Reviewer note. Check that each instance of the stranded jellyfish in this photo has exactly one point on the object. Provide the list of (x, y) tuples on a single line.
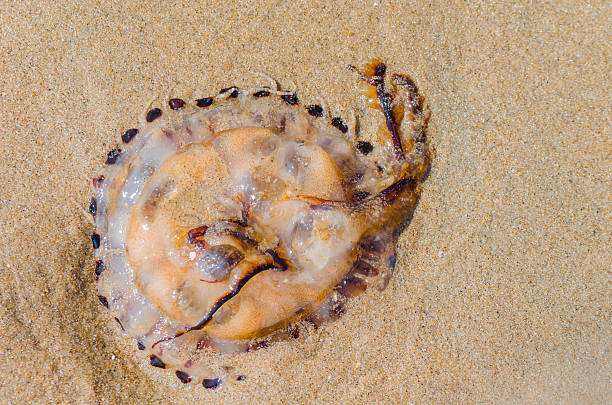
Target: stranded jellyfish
[(228, 222)]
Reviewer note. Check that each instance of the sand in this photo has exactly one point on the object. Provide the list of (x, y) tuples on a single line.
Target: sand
[(502, 288)]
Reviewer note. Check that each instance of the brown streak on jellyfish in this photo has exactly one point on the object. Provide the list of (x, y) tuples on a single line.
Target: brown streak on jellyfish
[(223, 225)]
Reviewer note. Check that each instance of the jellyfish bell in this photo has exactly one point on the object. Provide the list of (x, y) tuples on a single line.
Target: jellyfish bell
[(227, 222)]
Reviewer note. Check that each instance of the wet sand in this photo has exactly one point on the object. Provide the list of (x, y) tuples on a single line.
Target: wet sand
[(502, 286)]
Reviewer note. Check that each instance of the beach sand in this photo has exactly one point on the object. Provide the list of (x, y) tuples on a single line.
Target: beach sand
[(502, 287)]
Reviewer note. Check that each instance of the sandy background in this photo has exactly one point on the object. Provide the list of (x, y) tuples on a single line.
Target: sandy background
[(502, 291)]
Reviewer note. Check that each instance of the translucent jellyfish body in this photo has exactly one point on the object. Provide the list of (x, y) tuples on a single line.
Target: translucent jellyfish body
[(226, 223)]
